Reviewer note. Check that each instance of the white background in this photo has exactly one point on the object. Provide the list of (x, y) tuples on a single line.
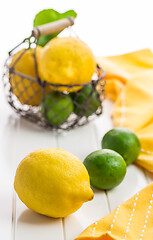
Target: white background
[(108, 26)]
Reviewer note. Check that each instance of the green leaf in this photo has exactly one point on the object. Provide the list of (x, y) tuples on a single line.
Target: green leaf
[(47, 16), (70, 13)]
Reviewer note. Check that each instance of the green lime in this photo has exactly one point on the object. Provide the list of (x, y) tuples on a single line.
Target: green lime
[(86, 101), (106, 168), (56, 108), (123, 141)]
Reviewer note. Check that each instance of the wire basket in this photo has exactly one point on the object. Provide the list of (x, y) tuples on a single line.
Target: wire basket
[(52, 106)]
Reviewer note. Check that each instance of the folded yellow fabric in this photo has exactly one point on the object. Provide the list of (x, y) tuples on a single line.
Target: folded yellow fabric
[(132, 220), (129, 82), (146, 157), (134, 106), (120, 69)]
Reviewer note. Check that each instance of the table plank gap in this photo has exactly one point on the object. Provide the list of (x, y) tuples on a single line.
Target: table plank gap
[(64, 233), (13, 215), (7, 206), (108, 202)]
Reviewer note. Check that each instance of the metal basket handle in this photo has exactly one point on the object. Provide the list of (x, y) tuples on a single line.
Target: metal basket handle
[(52, 27)]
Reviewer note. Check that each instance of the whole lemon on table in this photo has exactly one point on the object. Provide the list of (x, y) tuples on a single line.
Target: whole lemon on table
[(52, 182), (28, 92), (67, 61)]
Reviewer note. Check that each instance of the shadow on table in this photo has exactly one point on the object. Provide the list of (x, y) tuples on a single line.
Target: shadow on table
[(30, 217)]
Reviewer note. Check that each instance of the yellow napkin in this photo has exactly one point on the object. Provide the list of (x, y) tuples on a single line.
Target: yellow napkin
[(129, 82), (120, 69), (132, 220)]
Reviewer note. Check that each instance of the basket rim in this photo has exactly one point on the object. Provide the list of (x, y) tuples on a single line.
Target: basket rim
[(45, 83)]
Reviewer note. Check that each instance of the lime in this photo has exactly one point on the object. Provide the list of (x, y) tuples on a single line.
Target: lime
[(123, 141), (56, 108), (106, 168), (86, 101)]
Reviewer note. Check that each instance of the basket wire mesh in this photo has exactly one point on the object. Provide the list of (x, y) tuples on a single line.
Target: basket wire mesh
[(85, 107)]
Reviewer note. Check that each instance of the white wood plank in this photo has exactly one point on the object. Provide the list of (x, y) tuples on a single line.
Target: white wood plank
[(104, 122), (5, 200), (89, 213), (133, 182), (31, 225), (28, 224), (135, 178), (6, 175), (81, 142), (30, 137)]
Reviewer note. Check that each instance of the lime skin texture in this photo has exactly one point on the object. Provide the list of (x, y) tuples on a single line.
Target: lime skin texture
[(123, 141), (56, 108), (85, 101), (106, 169)]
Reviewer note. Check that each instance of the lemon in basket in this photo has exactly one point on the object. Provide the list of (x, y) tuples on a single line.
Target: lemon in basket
[(27, 91), (66, 61), (52, 182)]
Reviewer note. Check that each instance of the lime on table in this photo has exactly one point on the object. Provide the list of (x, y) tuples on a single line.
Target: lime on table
[(86, 101), (123, 141), (56, 108), (106, 168)]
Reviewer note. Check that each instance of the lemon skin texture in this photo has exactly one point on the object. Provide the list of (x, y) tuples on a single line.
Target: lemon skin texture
[(26, 91), (52, 182), (67, 61)]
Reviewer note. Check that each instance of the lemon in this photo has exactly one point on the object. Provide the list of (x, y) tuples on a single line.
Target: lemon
[(26, 91), (67, 61), (52, 182), (106, 168), (123, 141)]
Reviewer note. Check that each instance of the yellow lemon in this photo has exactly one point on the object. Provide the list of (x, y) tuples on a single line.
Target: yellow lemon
[(67, 61), (52, 182), (26, 91)]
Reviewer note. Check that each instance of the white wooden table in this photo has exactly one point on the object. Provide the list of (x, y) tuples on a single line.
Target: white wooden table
[(108, 29), (19, 137)]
